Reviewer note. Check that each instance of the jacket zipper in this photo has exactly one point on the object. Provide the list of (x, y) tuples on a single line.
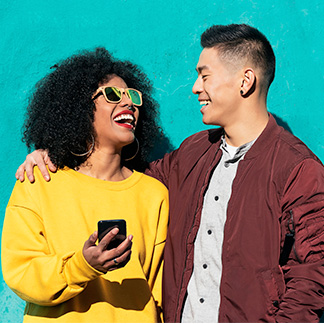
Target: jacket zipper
[(190, 233), (289, 243), (291, 227)]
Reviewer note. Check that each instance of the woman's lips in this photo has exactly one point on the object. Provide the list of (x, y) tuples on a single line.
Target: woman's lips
[(125, 119)]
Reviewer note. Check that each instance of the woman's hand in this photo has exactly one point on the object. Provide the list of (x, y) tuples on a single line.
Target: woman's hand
[(39, 158), (107, 260)]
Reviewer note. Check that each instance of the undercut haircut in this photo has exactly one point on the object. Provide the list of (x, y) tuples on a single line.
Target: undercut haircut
[(241, 42)]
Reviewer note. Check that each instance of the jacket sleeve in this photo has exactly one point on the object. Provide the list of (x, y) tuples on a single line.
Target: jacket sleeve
[(303, 199), (155, 275), (160, 169), (30, 268)]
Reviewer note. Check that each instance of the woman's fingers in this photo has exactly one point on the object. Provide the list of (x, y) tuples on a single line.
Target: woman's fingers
[(118, 261), (107, 238), (121, 255), (91, 241), (106, 260)]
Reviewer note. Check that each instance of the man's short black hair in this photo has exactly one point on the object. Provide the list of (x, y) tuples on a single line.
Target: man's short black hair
[(241, 41)]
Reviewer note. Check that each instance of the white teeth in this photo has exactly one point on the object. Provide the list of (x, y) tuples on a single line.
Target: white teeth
[(124, 116), (204, 102)]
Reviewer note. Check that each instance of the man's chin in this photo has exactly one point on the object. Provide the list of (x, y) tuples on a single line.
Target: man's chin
[(208, 121)]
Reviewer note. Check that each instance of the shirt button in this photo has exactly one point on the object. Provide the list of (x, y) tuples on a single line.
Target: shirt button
[(209, 232), (216, 198), (201, 300), (205, 266)]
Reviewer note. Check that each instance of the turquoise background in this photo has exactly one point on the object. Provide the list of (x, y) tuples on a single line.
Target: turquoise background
[(162, 36)]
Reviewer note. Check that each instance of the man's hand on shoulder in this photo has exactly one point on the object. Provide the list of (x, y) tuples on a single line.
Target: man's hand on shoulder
[(39, 158)]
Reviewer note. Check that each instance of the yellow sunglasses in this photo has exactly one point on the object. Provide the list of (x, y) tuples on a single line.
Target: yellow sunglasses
[(114, 94)]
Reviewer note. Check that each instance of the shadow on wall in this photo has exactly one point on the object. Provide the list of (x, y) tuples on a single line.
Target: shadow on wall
[(282, 123), (162, 146)]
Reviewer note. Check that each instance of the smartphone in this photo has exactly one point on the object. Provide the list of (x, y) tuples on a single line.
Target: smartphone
[(105, 226)]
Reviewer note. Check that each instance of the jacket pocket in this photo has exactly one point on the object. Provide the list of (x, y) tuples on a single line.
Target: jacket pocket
[(315, 238), (274, 288), (309, 237)]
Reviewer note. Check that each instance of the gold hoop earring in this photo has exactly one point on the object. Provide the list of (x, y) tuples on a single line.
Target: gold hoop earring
[(88, 152), (135, 152)]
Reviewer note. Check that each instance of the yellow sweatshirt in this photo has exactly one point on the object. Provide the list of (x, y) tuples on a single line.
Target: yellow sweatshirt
[(45, 227)]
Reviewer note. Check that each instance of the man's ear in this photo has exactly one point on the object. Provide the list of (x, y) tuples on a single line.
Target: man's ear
[(248, 82)]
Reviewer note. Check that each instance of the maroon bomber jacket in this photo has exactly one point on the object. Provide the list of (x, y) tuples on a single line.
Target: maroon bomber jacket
[(279, 181)]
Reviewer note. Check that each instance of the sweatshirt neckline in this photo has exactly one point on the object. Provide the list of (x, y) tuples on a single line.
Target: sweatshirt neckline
[(110, 185)]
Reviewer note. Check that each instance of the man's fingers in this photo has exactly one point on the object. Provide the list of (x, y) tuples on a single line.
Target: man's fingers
[(40, 157), (29, 167), (43, 170), (50, 164), (20, 173)]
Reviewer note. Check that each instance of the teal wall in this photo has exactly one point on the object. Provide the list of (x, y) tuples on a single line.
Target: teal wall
[(162, 36)]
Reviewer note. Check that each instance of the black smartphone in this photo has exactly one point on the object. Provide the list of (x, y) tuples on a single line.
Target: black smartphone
[(105, 226)]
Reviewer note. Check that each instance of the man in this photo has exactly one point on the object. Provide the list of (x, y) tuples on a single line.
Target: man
[(240, 195)]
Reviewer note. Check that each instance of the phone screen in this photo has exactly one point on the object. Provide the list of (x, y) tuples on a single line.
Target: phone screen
[(105, 226)]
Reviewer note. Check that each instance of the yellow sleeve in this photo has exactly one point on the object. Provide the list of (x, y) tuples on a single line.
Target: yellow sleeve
[(29, 268), (155, 276)]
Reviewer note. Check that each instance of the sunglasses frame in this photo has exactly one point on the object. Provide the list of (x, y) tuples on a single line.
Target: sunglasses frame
[(122, 91)]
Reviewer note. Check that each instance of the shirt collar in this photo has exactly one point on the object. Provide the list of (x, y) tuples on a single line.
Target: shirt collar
[(240, 151)]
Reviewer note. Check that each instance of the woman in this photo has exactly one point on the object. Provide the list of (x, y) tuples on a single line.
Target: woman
[(96, 118)]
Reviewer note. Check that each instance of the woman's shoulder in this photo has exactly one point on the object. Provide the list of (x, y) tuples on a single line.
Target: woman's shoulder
[(152, 183), (40, 183)]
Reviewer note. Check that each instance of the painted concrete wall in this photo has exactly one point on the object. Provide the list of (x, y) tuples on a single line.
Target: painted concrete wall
[(162, 36)]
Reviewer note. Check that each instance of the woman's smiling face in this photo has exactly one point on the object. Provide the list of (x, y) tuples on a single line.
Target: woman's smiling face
[(115, 123)]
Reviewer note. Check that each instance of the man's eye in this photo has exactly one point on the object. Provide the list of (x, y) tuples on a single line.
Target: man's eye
[(204, 76)]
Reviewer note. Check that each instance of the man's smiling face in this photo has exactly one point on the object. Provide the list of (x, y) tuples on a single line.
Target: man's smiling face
[(218, 88)]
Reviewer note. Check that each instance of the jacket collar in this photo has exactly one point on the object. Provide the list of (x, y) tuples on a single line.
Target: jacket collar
[(265, 139)]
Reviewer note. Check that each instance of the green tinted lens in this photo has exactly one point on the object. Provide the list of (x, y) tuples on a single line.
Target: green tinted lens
[(135, 97), (113, 94)]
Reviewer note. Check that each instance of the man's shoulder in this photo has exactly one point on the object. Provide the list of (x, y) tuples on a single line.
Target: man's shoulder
[(206, 137), (290, 156), (294, 148)]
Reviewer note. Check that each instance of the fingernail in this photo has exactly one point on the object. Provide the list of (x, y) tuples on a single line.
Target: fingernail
[(46, 177), (130, 237), (114, 230)]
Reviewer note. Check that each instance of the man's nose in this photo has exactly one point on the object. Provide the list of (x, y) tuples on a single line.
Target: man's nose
[(197, 87)]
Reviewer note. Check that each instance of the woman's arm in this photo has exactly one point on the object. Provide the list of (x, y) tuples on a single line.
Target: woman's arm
[(33, 269), (155, 276)]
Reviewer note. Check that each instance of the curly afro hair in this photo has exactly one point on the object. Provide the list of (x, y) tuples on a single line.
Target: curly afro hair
[(60, 112)]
